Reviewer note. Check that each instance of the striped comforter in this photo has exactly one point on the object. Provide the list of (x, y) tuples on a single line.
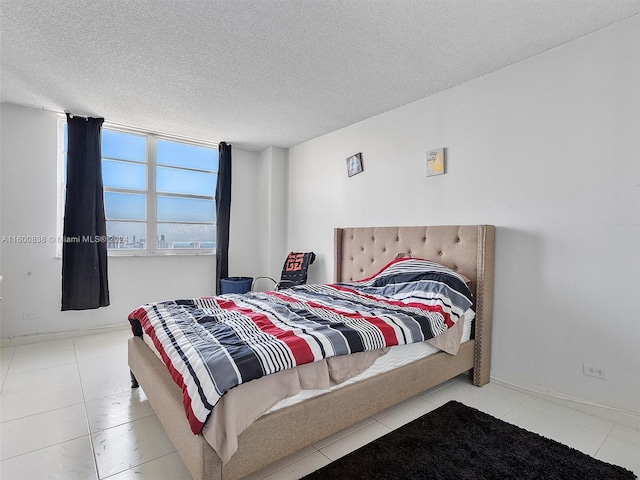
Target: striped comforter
[(213, 344)]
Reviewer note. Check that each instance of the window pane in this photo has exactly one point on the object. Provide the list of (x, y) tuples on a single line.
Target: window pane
[(126, 146), (177, 180), (179, 235), (177, 209), (126, 235), (116, 174), (177, 154), (125, 206)]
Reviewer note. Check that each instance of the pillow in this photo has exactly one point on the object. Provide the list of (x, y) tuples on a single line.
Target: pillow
[(409, 255), (408, 274), (414, 280)]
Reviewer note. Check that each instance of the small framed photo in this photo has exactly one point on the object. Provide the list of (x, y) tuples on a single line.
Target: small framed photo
[(435, 162), (354, 164)]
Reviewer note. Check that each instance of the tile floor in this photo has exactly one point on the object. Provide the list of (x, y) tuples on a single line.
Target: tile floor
[(68, 412)]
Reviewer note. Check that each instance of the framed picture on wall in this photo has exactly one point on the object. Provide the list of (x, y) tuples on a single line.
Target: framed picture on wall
[(354, 164), (435, 162)]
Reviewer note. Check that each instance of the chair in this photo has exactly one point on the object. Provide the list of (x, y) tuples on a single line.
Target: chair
[(294, 270)]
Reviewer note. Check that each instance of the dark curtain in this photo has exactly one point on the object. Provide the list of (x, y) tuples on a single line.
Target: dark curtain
[(84, 250), (223, 213)]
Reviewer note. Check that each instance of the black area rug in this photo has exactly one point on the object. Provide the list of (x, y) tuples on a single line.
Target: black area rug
[(457, 442)]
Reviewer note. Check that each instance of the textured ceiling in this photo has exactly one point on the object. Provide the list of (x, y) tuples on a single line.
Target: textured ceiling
[(269, 72)]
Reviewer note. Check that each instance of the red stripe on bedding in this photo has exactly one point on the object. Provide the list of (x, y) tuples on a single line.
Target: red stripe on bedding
[(398, 303), (392, 262), (299, 347), (385, 329), (142, 315)]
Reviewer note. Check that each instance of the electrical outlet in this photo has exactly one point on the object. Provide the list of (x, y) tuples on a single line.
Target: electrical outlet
[(594, 371), (29, 315)]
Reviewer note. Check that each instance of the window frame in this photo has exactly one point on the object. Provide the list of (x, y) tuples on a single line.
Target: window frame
[(151, 193)]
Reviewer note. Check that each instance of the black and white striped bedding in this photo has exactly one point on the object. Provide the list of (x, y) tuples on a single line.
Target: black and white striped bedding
[(213, 344)]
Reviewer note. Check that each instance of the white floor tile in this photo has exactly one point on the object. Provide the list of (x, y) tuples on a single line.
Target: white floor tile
[(126, 446), (42, 348), (44, 377), (110, 383), (301, 468), (493, 399), (282, 463), (104, 377), (5, 354), (111, 350), (40, 391), (619, 452), (42, 430), (115, 361), (396, 408), (565, 413), (407, 414), (626, 434), (26, 361), (343, 433), (5, 361), (118, 409), (44, 433), (576, 436), (355, 440), (99, 339), (42, 355), (168, 467), (72, 460)]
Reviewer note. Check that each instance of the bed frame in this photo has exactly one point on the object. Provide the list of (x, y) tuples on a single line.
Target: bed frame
[(359, 253)]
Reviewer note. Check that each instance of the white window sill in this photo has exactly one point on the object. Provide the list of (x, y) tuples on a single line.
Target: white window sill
[(140, 254)]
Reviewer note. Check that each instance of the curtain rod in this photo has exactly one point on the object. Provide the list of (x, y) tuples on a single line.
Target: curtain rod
[(122, 125), (175, 136), (141, 129)]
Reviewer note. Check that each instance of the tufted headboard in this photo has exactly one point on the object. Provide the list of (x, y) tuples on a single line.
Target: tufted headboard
[(468, 249)]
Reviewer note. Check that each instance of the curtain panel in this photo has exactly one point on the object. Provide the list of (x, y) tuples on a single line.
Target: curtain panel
[(223, 213), (84, 250)]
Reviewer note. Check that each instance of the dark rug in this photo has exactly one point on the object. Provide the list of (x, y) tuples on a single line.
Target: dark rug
[(457, 442)]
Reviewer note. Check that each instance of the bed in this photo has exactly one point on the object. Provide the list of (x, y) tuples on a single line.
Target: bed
[(358, 253)]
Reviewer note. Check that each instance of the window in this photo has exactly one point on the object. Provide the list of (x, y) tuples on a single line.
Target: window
[(155, 187)]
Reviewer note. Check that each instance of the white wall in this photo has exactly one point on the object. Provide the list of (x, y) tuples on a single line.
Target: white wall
[(548, 150), (32, 281), (244, 250), (272, 220)]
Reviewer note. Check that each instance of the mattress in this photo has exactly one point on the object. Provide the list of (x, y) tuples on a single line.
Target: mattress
[(395, 357)]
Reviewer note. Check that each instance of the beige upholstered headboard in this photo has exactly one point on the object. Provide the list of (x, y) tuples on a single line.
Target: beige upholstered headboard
[(468, 249)]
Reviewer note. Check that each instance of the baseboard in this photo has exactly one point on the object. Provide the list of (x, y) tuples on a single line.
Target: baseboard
[(47, 337), (621, 417)]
